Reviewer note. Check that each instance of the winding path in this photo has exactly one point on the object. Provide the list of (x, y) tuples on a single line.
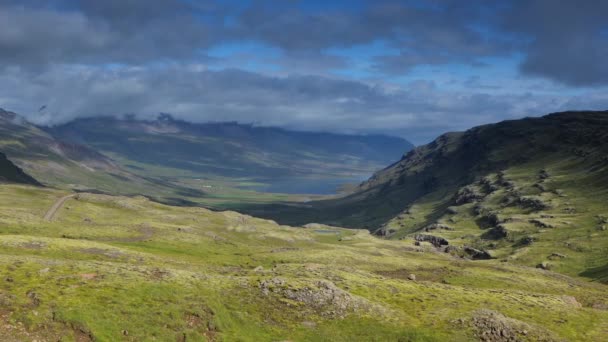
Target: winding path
[(51, 213)]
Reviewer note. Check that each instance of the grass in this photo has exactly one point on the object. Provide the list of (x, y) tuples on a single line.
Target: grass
[(125, 268)]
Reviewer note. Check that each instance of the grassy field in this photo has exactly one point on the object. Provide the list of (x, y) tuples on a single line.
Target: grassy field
[(128, 269)]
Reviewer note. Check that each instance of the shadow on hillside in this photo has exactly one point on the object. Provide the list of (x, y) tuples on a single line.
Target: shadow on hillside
[(597, 273)]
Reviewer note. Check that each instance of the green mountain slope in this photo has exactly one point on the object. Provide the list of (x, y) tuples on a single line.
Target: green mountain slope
[(127, 269), (59, 164), (529, 191), (183, 151)]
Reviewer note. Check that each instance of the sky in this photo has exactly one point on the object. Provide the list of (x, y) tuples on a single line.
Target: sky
[(412, 68)]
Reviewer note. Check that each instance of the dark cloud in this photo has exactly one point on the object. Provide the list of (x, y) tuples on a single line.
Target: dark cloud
[(37, 33), (87, 58), (567, 40), (419, 111)]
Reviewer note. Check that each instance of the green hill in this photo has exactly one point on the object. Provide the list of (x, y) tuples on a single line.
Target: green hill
[(529, 191)]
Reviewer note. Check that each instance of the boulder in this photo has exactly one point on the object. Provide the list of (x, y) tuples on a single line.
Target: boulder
[(477, 254), (437, 226), (556, 256), (434, 240), (468, 195), (540, 224), (533, 203), (544, 265)]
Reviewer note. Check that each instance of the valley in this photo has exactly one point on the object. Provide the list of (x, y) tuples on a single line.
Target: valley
[(495, 234)]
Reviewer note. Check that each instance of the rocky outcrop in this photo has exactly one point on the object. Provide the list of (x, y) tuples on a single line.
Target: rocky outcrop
[(434, 240), (534, 203), (477, 254), (495, 327), (540, 224), (322, 296), (437, 226), (468, 194)]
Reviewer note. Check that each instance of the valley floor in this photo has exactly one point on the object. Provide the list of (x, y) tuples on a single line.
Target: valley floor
[(106, 268)]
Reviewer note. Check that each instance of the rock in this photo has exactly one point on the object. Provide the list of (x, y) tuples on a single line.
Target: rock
[(544, 265), (501, 231), (451, 210), (488, 185), (527, 240), (411, 277), (477, 254), (602, 227), (572, 301), (271, 285), (258, 269), (434, 240), (452, 249), (555, 256), (540, 224), (468, 195), (543, 174), (540, 187), (493, 326), (533, 203), (322, 295), (435, 226), (385, 231)]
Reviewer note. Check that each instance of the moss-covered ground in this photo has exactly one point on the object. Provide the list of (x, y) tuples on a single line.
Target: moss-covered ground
[(128, 269)]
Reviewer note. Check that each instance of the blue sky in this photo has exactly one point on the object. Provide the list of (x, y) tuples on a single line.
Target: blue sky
[(411, 68)]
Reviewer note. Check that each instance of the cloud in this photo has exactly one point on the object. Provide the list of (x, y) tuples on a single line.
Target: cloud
[(35, 34), (87, 58), (419, 111), (567, 40)]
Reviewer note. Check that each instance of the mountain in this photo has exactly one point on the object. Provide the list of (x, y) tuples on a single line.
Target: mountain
[(175, 149), (530, 191), (68, 165), (10, 173)]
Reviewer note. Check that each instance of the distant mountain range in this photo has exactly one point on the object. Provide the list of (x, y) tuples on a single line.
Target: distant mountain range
[(176, 161), (231, 149)]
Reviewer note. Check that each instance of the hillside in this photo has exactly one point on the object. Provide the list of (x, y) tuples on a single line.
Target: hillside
[(520, 190), (126, 269), (10, 173), (57, 163), (73, 166), (261, 158)]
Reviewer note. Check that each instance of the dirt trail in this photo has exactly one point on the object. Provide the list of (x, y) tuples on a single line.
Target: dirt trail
[(51, 213)]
